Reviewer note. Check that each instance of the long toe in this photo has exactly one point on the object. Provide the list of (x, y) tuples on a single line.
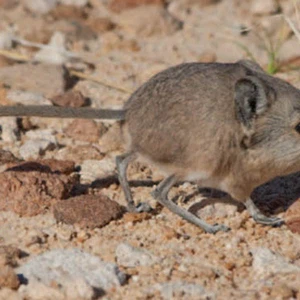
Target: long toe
[(271, 221), (218, 227), (143, 207)]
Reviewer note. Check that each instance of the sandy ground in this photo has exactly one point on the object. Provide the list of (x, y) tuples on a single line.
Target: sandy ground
[(108, 49)]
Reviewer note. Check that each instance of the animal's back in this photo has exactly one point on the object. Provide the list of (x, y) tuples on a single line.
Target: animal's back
[(181, 110)]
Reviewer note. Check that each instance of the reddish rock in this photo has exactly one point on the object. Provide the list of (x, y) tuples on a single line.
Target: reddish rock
[(69, 99), (7, 157), (136, 217), (32, 193), (9, 256), (8, 278), (119, 5), (4, 62), (87, 211), (3, 95), (112, 139), (292, 217), (85, 130), (146, 21), (69, 12), (80, 153), (8, 4), (45, 165), (100, 25), (49, 80)]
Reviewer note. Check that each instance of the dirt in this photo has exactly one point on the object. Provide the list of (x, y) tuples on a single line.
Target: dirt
[(98, 53)]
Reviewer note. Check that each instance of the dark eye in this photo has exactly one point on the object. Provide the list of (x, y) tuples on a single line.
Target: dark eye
[(297, 128)]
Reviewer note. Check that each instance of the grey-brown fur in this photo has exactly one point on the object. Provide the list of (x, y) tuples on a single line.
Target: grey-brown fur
[(225, 126)]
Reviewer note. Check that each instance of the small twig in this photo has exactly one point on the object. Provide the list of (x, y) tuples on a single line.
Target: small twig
[(95, 79), (293, 27), (296, 10), (14, 55), (43, 46), (87, 58)]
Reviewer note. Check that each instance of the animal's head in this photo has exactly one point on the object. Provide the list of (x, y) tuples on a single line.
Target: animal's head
[(268, 110)]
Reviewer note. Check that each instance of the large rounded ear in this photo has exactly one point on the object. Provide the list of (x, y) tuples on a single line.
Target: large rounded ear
[(252, 98), (251, 65)]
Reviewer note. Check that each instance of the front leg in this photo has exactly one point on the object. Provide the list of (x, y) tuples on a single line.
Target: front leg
[(259, 217)]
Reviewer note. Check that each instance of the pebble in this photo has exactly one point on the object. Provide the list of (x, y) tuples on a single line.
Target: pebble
[(40, 6), (266, 7), (5, 62), (208, 208), (182, 290), (266, 263), (112, 139), (79, 153), (8, 278), (181, 9), (8, 4), (100, 25), (120, 5), (85, 130), (145, 21), (79, 3), (130, 257), (66, 265), (10, 129), (36, 290), (70, 99), (6, 40), (55, 52), (47, 80), (9, 256), (27, 98), (292, 217), (87, 211), (32, 193), (92, 170), (33, 149), (72, 290), (42, 134), (8, 294)]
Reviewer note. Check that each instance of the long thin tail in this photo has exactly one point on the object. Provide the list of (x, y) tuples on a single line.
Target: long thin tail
[(48, 111)]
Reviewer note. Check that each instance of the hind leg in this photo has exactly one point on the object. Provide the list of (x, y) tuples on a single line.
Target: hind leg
[(161, 195), (259, 217), (122, 162)]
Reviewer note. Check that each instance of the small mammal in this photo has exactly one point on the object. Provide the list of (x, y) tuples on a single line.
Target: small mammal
[(228, 126)]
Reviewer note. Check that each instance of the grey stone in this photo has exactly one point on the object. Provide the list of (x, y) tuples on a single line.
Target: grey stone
[(94, 169), (36, 290), (34, 148), (265, 7), (40, 6), (6, 40), (27, 98), (79, 3), (183, 290), (65, 265), (147, 21), (42, 134), (266, 263), (208, 208), (9, 128), (129, 256), (55, 52), (72, 290)]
